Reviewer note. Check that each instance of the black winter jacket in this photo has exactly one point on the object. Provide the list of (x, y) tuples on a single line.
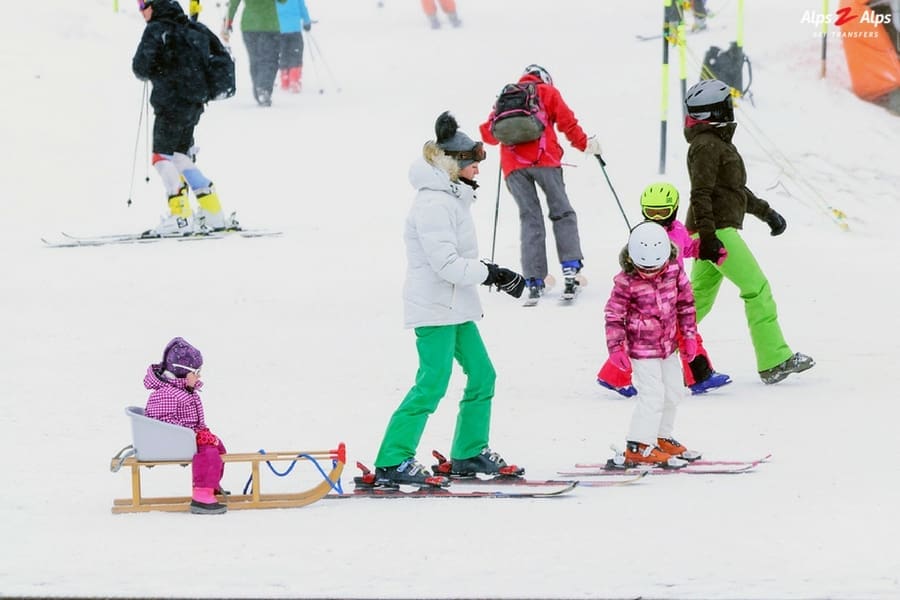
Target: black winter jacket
[(719, 194), (164, 58)]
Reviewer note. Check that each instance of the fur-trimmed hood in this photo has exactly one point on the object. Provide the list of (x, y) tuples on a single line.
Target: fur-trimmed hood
[(435, 170)]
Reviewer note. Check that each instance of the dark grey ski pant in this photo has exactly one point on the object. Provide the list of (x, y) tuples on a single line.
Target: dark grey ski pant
[(522, 185), (262, 50)]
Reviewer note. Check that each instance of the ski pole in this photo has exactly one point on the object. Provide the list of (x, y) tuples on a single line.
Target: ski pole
[(496, 213), (825, 38), (315, 45), (315, 64), (147, 137), (137, 141), (615, 195)]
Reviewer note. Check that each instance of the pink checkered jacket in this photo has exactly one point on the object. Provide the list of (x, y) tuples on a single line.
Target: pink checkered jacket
[(171, 401)]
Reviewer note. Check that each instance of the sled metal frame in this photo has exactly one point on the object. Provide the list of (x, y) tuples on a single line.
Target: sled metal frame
[(254, 500)]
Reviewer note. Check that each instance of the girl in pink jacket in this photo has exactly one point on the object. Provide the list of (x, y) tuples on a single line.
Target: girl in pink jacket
[(659, 203), (175, 399), (650, 306)]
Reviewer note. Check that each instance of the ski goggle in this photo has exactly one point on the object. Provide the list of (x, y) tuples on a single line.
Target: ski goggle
[(477, 153), (658, 213), (188, 369)]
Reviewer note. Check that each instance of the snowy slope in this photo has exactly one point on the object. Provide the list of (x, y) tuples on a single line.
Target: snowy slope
[(302, 334)]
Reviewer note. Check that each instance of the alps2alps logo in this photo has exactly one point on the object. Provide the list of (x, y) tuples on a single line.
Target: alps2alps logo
[(844, 15)]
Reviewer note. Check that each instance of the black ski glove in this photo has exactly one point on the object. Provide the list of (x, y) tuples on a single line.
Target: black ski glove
[(307, 25), (711, 248), (775, 222), (509, 281)]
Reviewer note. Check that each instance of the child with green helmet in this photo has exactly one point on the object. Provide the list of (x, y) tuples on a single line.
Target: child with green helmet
[(659, 203)]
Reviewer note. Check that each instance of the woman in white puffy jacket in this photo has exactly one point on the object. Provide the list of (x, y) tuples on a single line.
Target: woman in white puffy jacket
[(440, 301)]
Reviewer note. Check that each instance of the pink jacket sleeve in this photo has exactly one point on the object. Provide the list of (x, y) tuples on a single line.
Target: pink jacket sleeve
[(615, 312), (685, 308), (679, 235)]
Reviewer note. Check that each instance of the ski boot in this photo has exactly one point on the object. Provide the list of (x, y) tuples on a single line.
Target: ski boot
[(672, 447), (536, 289), (409, 472), (445, 466), (210, 217), (795, 364), (294, 76), (486, 462), (571, 282), (715, 380), (179, 221), (638, 454), (627, 391)]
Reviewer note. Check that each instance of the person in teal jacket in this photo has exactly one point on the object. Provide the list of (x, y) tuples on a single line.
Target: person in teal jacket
[(262, 36), (293, 18)]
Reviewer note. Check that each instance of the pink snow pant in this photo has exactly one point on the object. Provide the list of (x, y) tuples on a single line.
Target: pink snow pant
[(207, 467)]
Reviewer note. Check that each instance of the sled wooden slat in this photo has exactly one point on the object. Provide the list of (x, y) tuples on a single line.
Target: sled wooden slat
[(254, 500)]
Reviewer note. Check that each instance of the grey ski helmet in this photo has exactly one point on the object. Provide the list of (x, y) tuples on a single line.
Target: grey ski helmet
[(540, 71), (710, 100), (649, 247)]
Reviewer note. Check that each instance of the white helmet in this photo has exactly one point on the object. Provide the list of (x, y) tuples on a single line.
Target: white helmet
[(710, 100), (540, 71), (648, 246)]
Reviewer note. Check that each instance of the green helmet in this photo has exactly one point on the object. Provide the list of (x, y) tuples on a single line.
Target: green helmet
[(659, 202)]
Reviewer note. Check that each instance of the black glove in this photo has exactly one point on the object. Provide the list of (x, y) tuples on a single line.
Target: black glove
[(509, 281), (711, 248), (776, 222), (307, 26)]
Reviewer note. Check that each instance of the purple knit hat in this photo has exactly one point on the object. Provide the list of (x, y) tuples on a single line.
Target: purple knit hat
[(180, 358)]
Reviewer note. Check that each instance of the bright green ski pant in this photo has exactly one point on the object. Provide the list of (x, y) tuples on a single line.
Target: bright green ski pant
[(743, 271), (437, 347)]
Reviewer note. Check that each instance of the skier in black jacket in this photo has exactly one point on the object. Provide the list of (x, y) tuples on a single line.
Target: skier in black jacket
[(169, 55)]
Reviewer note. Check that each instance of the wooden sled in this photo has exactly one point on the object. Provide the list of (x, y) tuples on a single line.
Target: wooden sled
[(148, 451)]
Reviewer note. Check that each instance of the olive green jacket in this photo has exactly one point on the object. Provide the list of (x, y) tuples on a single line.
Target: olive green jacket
[(719, 194), (259, 15)]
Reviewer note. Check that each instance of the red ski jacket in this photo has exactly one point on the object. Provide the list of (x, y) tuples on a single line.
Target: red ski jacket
[(545, 152)]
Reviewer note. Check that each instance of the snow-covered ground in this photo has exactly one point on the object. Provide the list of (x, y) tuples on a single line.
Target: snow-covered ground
[(302, 334)]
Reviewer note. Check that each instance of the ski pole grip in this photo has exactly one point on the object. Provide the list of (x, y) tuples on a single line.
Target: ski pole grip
[(600, 160)]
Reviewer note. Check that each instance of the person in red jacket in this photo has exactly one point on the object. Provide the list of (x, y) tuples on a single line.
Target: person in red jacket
[(538, 163)]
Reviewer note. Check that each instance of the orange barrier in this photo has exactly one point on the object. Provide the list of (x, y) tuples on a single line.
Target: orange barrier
[(871, 57)]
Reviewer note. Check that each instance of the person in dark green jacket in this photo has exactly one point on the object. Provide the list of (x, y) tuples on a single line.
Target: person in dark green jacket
[(719, 200), (262, 36)]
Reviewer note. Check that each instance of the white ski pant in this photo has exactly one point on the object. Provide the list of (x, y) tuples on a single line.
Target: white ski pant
[(660, 386)]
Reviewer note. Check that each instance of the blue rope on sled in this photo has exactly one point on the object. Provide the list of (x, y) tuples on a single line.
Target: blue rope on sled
[(336, 486)]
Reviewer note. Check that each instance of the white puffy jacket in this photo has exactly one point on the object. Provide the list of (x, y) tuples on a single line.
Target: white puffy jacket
[(443, 268)]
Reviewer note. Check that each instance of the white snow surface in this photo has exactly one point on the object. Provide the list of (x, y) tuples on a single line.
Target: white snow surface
[(302, 334)]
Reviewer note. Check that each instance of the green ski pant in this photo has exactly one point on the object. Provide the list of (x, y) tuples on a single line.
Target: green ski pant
[(437, 347), (743, 271)]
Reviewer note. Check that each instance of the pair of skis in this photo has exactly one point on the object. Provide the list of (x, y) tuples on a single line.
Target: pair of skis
[(697, 467), (567, 297), (443, 486), (75, 241)]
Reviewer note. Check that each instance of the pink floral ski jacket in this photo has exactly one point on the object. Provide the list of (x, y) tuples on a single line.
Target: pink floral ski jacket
[(644, 315)]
